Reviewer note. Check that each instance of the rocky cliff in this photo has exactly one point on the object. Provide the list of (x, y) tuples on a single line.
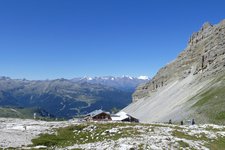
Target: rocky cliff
[(204, 54), (193, 71)]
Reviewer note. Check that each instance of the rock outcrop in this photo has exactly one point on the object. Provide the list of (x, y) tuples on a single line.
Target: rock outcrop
[(205, 54), (203, 60)]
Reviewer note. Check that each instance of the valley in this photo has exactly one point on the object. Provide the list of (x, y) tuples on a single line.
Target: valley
[(63, 98)]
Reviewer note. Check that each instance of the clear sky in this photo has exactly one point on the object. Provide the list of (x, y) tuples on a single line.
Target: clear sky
[(47, 39)]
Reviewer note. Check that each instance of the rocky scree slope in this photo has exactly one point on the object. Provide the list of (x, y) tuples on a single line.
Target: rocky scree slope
[(191, 86)]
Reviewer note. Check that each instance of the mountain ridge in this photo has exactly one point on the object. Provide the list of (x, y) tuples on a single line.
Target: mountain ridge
[(126, 83), (169, 94)]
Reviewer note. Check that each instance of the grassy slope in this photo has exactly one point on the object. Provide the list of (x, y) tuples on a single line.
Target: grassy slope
[(16, 112), (76, 135), (210, 105)]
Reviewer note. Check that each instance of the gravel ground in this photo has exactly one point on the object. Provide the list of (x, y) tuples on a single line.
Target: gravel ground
[(19, 132), (159, 137)]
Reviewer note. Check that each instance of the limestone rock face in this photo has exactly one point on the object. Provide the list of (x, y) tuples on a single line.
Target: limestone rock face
[(191, 86), (205, 55)]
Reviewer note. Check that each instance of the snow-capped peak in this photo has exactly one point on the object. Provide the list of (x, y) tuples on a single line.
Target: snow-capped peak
[(89, 78), (143, 77), (112, 78), (125, 76), (86, 78)]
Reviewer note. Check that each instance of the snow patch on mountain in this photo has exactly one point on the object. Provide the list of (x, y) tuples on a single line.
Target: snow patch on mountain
[(143, 78), (124, 82)]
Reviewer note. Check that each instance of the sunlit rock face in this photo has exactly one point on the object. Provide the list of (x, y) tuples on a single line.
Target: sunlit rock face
[(201, 61)]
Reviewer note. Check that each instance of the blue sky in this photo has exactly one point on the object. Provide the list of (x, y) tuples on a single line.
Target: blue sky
[(48, 39)]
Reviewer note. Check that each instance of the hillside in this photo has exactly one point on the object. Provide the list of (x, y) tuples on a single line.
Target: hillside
[(22, 112), (191, 86)]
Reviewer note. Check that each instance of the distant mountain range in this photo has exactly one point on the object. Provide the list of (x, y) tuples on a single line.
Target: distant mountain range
[(125, 83), (67, 98)]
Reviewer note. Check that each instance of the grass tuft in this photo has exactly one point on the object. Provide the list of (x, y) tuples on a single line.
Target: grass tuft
[(77, 134)]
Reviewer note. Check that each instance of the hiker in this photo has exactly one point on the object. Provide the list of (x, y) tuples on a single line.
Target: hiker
[(193, 122), (170, 121), (25, 127), (182, 123)]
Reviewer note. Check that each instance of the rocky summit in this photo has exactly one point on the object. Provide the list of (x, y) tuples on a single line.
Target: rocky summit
[(191, 86)]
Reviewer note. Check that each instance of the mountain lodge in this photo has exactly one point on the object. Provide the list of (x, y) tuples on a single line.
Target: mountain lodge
[(98, 115)]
